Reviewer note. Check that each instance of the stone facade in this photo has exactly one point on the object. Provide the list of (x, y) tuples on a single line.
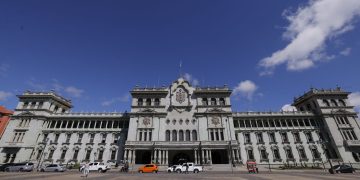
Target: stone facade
[(168, 125)]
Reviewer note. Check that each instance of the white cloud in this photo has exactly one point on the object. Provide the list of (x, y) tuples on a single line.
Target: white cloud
[(309, 29), (193, 81), (124, 98), (288, 107), (354, 99), (346, 52), (5, 95), (73, 91), (245, 88)]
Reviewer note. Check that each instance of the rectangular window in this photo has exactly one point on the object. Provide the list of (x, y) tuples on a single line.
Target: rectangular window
[(145, 136), (277, 123), (113, 154), (315, 153), (247, 123), (236, 123), (69, 124), (80, 138), (250, 154), (289, 154), (247, 138), (97, 124), (276, 154), (309, 137), (260, 123), (109, 124), (353, 134), (92, 136), (242, 124), (75, 124), (284, 137), (81, 124), (92, 124), (302, 154), (272, 124), (222, 135), (295, 122), (150, 136), (101, 152), (51, 154), (212, 135), (263, 154), (76, 152), (116, 137), (63, 154), (68, 136), (63, 125), (103, 140), (56, 138), (260, 138), (87, 157), (87, 123), (116, 124), (45, 137), (217, 135), (103, 124), (266, 123), (272, 138), (140, 136), (283, 123), (297, 137)]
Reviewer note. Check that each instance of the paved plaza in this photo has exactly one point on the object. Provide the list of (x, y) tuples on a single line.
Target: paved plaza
[(298, 175)]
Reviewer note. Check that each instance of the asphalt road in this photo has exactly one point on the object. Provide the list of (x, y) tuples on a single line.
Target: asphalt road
[(299, 175)]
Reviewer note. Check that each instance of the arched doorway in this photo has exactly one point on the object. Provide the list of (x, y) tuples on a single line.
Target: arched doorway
[(143, 157)]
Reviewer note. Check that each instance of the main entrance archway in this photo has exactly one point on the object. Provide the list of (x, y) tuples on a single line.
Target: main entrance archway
[(179, 157)]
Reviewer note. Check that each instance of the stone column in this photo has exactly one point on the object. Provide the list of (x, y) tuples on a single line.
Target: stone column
[(156, 155), (209, 155), (195, 153), (166, 156), (130, 156), (203, 156), (134, 156)]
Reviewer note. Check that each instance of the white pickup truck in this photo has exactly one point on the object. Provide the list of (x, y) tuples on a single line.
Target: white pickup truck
[(101, 167), (192, 168)]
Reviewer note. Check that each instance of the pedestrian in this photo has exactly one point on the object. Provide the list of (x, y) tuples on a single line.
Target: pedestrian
[(187, 168), (86, 169)]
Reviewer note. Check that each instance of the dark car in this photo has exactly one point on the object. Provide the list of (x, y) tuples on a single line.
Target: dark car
[(4, 166), (341, 169)]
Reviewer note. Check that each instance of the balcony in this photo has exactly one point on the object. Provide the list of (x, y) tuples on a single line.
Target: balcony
[(352, 143)]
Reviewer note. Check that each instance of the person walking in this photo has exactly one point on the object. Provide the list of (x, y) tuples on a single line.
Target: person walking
[(86, 169), (187, 168)]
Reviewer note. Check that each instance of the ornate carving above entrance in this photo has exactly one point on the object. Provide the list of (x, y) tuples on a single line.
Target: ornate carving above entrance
[(146, 121), (180, 96)]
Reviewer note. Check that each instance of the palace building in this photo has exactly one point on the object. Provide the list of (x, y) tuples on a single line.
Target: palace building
[(167, 125)]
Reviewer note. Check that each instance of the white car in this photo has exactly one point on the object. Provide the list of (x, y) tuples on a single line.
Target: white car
[(101, 167), (192, 168), (172, 168)]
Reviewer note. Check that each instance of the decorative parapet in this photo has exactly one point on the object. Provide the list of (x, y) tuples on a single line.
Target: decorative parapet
[(89, 114), (314, 91), (48, 93), (281, 113)]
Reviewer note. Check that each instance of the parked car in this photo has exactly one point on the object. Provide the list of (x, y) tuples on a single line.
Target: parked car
[(2, 167), (341, 169), (26, 166), (100, 167), (172, 168), (53, 168), (148, 168), (191, 168)]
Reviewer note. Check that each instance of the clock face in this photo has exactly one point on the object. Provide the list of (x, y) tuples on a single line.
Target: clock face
[(180, 96)]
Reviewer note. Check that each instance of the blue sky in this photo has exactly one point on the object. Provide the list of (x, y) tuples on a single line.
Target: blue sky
[(95, 52)]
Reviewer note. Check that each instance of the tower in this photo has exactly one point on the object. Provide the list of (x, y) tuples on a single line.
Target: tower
[(340, 131)]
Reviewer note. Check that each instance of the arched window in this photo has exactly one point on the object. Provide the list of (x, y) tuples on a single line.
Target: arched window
[(167, 135), (194, 135), (157, 102), (326, 103), (174, 135), (213, 101), (222, 101), (140, 102), (148, 102), (187, 135), (181, 135), (204, 101), (342, 102), (334, 103)]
